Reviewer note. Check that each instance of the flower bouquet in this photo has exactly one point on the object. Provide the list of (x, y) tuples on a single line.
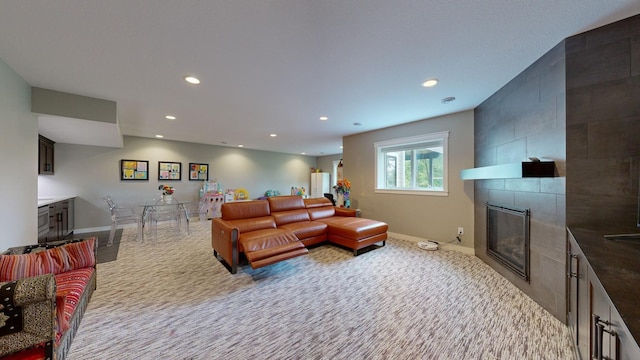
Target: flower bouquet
[(166, 189), (343, 190)]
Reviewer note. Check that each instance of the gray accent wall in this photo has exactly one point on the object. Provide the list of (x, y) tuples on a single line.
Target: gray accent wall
[(425, 217), (526, 118), (603, 127), (91, 172), (578, 105), (19, 161)]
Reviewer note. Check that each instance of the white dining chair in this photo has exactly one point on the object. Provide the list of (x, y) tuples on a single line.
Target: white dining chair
[(165, 211), (122, 215), (193, 210)]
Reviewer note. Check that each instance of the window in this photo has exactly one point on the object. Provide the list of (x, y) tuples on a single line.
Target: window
[(413, 165)]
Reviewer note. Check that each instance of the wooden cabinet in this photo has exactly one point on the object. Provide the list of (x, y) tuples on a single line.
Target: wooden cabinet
[(45, 156), (597, 328), (319, 184), (577, 297), (61, 220)]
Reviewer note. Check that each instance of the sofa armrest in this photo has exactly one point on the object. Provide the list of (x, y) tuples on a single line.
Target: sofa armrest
[(345, 212), (224, 240), (27, 313)]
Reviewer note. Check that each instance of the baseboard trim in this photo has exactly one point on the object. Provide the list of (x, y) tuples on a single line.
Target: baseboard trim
[(453, 247), (101, 228)]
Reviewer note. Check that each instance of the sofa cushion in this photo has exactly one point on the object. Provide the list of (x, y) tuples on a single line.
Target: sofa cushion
[(253, 224), (244, 209), (322, 212), (61, 320), (71, 285), (290, 216), (317, 202), (308, 229), (284, 203), (356, 228)]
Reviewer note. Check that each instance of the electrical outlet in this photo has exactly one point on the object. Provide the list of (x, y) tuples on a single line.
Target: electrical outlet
[(460, 231)]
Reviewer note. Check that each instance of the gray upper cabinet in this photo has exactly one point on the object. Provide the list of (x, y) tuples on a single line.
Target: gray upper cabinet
[(45, 156)]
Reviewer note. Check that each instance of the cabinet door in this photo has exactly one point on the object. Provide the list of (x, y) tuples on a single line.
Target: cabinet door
[(601, 307), (71, 217), (627, 348), (64, 218), (45, 156), (319, 184), (54, 224), (578, 314)]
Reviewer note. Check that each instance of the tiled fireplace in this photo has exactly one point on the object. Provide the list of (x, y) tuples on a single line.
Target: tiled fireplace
[(508, 238)]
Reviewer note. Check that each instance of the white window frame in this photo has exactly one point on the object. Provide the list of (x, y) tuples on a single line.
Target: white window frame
[(334, 174), (380, 168)]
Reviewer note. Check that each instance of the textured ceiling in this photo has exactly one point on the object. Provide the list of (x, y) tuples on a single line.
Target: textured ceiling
[(277, 66)]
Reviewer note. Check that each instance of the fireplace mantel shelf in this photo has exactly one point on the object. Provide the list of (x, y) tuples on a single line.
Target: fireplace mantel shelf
[(529, 169)]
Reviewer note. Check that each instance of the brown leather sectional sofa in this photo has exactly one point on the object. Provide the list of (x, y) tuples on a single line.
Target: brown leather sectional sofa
[(281, 227)]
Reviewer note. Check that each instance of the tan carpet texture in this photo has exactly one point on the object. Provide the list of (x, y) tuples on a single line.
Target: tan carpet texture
[(170, 299)]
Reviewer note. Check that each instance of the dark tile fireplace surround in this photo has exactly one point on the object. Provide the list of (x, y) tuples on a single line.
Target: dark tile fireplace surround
[(508, 238), (578, 106)]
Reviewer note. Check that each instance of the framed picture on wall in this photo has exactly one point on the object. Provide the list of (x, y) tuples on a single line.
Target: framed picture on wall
[(198, 171), (168, 170), (134, 170)]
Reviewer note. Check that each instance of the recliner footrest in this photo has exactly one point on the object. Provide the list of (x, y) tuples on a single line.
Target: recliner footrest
[(266, 250), (277, 258)]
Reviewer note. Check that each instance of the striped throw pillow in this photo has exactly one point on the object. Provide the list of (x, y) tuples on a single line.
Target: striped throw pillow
[(75, 255), (16, 267)]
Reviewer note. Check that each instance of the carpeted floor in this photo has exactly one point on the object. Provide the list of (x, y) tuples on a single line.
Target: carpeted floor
[(170, 299)]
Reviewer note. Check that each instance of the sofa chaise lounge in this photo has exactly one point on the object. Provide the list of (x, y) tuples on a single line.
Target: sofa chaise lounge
[(282, 227)]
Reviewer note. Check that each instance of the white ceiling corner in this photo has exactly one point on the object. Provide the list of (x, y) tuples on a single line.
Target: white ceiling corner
[(277, 66)]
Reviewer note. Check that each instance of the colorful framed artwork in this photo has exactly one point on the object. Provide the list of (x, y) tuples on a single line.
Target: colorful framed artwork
[(134, 170), (198, 171), (168, 170)]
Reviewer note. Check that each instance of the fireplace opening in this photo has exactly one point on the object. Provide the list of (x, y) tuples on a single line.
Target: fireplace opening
[(508, 238)]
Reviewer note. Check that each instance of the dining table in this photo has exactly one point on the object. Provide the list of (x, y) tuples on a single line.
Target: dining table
[(149, 206)]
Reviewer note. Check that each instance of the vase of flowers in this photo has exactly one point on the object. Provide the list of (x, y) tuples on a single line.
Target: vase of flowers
[(167, 192), (343, 192)]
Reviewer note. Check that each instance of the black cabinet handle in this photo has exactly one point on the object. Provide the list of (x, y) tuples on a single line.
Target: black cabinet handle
[(571, 274), (598, 330)]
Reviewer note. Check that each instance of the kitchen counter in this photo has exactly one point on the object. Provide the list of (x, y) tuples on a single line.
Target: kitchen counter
[(616, 263), (47, 200)]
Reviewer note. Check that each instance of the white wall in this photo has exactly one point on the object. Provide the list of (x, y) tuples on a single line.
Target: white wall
[(426, 217), (19, 159), (91, 172)]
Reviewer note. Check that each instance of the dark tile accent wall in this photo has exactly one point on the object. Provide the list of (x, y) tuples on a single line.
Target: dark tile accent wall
[(527, 118), (579, 105), (603, 127)]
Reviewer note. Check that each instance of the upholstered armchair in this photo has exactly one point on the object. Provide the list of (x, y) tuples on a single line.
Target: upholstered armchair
[(44, 292)]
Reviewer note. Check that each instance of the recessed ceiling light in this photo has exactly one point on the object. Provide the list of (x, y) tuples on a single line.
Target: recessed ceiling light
[(357, 124), (304, 153), (170, 117), (324, 118), (223, 142), (273, 135), (240, 145), (448, 100), (159, 136), (430, 83), (192, 80), (341, 147)]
